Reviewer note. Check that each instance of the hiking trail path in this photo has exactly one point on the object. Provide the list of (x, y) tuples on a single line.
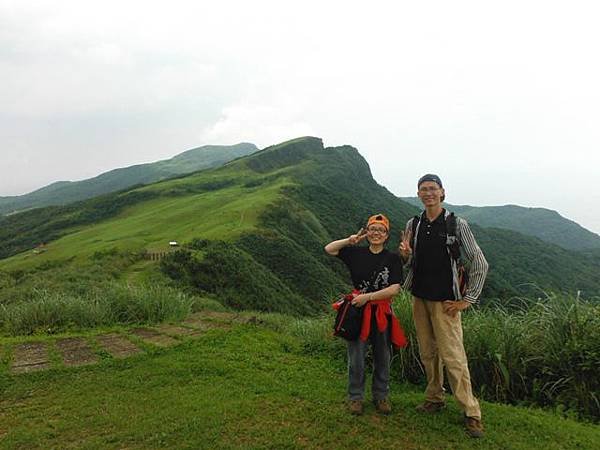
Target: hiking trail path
[(73, 351)]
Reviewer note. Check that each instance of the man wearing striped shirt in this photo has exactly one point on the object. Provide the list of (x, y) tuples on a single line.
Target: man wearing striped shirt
[(433, 279)]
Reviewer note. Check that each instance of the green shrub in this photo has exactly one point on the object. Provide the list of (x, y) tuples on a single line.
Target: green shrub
[(296, 267), (231, 275)]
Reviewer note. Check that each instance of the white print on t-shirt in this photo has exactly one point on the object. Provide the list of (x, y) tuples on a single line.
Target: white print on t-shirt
[(381, 281)]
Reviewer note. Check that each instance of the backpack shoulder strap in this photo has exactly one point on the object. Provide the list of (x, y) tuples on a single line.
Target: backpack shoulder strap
[(415, 224), (451, 239), (451, 224)]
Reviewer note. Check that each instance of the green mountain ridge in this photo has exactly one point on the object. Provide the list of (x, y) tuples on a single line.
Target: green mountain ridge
[(251, 236), (260, 223), (545, 224), (64, 192)]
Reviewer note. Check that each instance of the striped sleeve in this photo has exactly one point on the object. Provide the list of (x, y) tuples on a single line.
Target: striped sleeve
[(479, 265)]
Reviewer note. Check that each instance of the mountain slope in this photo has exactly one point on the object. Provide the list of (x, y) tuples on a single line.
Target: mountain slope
[(342, 192), (254, 231), (545, 224), (64, 192)]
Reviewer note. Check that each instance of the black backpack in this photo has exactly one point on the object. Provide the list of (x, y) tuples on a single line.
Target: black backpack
[(453, 245), (348, 321)]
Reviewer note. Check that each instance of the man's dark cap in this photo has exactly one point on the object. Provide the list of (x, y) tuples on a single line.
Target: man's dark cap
[(430, 177)]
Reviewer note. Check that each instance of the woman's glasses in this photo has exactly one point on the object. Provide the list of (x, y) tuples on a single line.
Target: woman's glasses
[(376, 230)]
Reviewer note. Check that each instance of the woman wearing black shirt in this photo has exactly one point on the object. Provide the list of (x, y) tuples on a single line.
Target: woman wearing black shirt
[(376, 276)]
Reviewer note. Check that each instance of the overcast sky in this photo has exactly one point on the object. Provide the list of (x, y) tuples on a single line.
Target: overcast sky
[(501, 99)]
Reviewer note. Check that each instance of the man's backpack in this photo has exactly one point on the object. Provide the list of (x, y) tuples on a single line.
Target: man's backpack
[(453, 245)]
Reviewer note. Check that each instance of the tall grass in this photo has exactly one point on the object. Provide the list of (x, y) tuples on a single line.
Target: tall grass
[(545, 352), (52, 311)]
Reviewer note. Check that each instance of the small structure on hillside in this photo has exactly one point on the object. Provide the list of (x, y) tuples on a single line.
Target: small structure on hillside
[(40, 249), (173, 244)]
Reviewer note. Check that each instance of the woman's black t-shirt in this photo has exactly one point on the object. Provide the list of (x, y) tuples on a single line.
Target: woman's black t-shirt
[(363, 264)]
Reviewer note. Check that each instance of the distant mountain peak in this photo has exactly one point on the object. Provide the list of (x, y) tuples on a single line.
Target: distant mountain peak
[(285, 154), (64, 192)]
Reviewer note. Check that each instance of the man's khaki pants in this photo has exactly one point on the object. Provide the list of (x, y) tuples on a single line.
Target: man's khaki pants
[(440, 339)]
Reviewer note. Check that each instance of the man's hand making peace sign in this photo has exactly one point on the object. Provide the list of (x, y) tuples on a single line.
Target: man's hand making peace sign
[(405, 248)]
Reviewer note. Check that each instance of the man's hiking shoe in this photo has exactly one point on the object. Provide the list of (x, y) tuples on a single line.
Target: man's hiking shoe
[(473, 427), (430, 407), (383, 406), (356, 407)]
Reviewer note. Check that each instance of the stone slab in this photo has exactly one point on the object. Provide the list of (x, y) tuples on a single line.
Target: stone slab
[(30, 357), (76, 352), (197, 322), (118, 346), (179, 331), (154, 337)]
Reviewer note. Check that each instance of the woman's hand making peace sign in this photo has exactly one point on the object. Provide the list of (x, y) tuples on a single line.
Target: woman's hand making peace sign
[(360, 235)]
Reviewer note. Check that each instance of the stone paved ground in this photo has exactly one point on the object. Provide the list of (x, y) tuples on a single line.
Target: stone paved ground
[(150, 336), (116, 345), (78, 351), (30, 357), (175, 330)]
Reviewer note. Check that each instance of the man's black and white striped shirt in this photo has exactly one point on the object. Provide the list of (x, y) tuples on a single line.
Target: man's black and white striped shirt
[(478, 267)]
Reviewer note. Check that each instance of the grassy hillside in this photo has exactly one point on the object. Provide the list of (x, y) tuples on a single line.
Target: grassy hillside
[(252, 235), (151, 224), (218, 203), (274, 210), (545, 224), (338, 190), (64, 192), (246, 387)]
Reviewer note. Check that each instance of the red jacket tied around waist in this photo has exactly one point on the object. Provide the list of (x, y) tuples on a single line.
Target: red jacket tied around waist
[(382, 312)]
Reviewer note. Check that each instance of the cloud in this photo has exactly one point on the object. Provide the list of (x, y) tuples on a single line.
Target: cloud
[(89, 86), (262, 125)]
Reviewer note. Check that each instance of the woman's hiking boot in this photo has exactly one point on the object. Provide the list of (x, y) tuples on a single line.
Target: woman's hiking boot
[(474, 427), (355, 407), (430, 407), (383, 406)]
